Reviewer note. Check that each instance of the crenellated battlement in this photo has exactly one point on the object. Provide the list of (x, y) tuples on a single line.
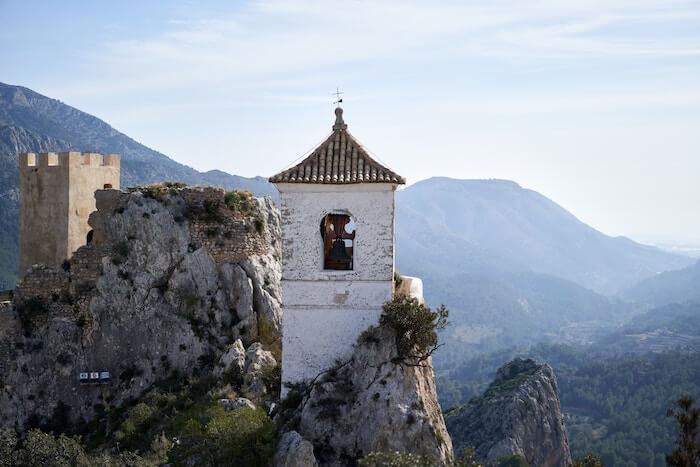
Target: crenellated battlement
[(31, 160), (56, 197)]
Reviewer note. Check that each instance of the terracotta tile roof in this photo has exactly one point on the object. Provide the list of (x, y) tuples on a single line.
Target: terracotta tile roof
[(340, 159)]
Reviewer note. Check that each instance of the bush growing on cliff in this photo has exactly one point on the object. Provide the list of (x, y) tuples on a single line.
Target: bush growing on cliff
[(158, 191), (394, 459), (215, 437), (415, 325), (239, 201)]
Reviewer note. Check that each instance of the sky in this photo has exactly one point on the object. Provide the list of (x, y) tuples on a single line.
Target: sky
[(595, 104)]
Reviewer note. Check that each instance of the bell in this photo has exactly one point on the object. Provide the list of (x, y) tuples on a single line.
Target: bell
[(338, 253)]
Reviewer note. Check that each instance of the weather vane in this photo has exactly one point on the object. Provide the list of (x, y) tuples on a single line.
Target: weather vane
[(337, 94)]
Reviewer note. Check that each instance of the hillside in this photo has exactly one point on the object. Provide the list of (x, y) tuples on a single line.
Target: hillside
[(678, 286), (446, 226), (514, 267), (32, 122), (670, 327)]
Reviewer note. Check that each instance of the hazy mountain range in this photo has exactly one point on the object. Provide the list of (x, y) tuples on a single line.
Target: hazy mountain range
[(668, 287), (514, 267), (32, 122)]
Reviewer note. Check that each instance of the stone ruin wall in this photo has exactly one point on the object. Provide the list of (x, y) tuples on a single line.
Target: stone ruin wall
[(231, 237)]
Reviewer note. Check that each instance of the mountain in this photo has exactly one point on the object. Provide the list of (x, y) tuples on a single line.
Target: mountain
[(678, 286), (513, 267), (447, 225), (518, 415), (32, 122), (670, 327)]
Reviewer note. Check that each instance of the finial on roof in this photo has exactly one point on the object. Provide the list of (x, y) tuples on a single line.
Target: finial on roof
[(339, 122)]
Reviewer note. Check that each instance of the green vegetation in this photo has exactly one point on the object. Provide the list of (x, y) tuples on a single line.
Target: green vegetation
[(40, 449), (589, 460), (244, 437), (398, 280), (239, 201), (158, 191), (687, 449), (183, 425), (394, 459), (416, 326), (512, 461), (270, 338), (615, 405)]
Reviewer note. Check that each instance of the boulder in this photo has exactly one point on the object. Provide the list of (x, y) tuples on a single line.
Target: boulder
[(230, 405), (258, 361), (233, 359), (294, 451)]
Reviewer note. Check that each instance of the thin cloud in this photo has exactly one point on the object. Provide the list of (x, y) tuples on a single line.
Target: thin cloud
[(271, 38)]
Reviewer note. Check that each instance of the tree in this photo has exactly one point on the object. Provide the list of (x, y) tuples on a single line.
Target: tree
[(589, 460), (687, 450), (243, 437), (416, 326)]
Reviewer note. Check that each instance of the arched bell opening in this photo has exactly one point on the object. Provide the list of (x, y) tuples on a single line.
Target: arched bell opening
[(338, 234)]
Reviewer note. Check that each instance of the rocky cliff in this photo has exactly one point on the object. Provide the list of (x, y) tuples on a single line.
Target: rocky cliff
[(519, 414), (175, 282), (174, 305), (373, 402)]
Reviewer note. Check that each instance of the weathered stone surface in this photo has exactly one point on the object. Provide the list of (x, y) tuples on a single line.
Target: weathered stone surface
[(230, 405), (147, 301), (373, 402), (257, 362), (294, 451), (519, 414), (232, 360)]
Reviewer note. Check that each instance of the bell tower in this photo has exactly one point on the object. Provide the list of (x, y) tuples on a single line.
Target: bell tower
[(337, 210)]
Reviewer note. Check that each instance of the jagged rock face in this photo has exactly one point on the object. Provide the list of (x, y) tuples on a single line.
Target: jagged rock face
[(519, 414), (152, 297), (374, 402), (294, 451)]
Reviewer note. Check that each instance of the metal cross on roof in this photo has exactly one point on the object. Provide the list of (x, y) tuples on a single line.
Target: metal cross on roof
[(337, 94)]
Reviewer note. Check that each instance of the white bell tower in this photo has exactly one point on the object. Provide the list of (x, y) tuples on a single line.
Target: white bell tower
[(337, 210)]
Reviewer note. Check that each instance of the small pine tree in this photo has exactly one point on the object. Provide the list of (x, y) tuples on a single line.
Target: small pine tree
[(686, 453), (589, 460)]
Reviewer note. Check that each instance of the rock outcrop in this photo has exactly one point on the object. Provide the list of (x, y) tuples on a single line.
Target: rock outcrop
[(175, 283), (374, 402), (294, 451), (519, 414)]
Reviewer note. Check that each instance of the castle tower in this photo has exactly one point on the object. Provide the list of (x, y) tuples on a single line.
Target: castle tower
[(337, 210), (57, 194)]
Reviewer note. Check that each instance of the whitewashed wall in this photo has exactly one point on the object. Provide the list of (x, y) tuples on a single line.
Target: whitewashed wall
[(325, 311)]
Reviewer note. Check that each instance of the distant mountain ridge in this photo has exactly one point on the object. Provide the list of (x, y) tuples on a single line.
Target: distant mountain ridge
[(452, 225), (30, 121), (678, 286), (513, 267)]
